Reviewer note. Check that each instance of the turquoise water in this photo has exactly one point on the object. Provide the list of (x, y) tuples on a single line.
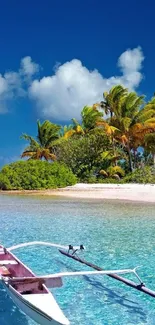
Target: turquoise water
[(116, 235)]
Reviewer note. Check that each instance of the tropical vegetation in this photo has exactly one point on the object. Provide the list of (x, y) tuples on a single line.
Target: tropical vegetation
[(113, 142), (35, 174), (42, 146)]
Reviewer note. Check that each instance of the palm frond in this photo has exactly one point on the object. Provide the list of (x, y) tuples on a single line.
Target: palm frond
[(150, 121), (69, 134), (27, 154), (32, 141), (115, 170), (103, 173), (149, 142), (125, 122), (75, 122), (144, 115)]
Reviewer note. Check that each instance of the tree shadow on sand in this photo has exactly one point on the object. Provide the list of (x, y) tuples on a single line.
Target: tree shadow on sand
[(9, 313)]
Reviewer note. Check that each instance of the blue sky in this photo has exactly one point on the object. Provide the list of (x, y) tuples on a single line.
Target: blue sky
[(57, 56)]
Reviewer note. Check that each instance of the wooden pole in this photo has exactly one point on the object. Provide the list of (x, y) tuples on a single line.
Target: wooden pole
[(141, 287)]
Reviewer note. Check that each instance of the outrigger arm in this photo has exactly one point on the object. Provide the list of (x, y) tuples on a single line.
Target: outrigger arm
[(44, 278), (74, 249), (70, 251), (32, 243)]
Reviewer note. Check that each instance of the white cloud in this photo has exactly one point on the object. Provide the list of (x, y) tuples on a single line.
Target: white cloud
[(130, 62), (3, 85), (62, 95), (28, 67), (12, 84)]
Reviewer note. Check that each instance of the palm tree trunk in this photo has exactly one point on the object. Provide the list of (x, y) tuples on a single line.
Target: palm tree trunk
[(153, 159), (134, 152), (130, 159), (114, 149)]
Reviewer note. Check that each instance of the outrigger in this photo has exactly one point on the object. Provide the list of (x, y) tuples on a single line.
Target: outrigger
[(30, 292)]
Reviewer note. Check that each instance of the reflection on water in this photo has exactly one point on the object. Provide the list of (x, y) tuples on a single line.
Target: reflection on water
[(116, 235)]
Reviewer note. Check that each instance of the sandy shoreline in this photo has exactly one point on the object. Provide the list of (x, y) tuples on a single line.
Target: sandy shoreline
[(129, 192)]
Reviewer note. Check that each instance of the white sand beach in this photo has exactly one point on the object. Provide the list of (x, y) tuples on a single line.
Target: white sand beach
[(132, 192), (128, 192)]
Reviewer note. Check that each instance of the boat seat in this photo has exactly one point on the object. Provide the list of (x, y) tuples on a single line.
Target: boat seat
[(4, 271), (8, 262), (2, 251), (26, 292)]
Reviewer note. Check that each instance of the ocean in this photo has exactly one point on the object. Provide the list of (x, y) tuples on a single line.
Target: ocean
[(117, 235)]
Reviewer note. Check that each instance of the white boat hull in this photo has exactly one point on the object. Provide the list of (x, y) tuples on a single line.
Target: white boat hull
[(37, 314)]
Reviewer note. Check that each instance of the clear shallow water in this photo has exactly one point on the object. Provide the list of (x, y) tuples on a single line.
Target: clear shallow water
[(116, 235)]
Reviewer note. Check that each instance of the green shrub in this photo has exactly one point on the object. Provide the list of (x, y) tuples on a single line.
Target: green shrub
[(108, 180), (142, 175), (35, 174), (4, 183), (91, 180), (83, 153)]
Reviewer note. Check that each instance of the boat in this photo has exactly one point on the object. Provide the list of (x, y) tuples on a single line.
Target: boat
[(32, 297), (30, 292)]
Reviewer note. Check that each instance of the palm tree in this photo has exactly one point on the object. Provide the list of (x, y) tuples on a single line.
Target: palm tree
[(142, 125), (65, 131), (90, 117), (112, 100), (124, 119), (149, 145), (42, 146), (113, 172), (110, 131), (72, 129), (130, 117)]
